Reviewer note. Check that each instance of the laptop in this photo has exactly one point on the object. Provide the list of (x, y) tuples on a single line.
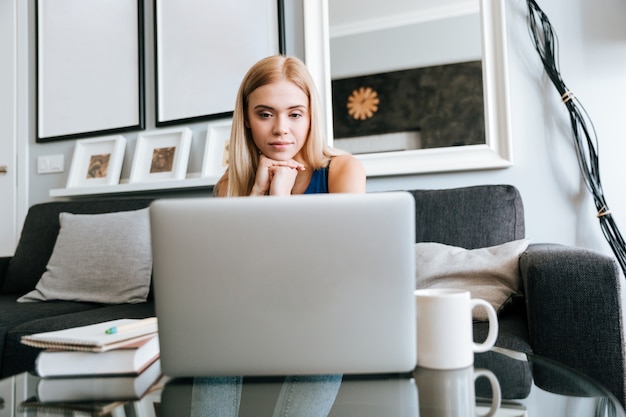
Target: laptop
[(307, 284), (298, 396)]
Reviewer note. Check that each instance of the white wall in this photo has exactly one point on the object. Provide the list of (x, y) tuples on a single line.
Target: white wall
[(558, 207)]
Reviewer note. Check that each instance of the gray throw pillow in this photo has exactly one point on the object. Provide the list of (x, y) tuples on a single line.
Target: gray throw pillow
[(100, 258), (489, 273)]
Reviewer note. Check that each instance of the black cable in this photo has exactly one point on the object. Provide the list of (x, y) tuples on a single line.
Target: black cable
[(585, 137)]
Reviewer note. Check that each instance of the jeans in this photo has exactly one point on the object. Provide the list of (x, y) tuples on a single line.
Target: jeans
[(300, 396)]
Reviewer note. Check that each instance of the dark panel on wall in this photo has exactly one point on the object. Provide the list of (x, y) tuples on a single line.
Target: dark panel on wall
[(444, 103)]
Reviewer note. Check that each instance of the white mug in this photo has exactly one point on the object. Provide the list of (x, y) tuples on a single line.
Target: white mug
[(445, 338), (452, 393)]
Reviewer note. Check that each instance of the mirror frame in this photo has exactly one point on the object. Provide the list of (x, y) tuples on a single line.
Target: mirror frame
[(495, 153)]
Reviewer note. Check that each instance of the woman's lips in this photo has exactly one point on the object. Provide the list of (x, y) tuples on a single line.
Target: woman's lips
[(280, 145)]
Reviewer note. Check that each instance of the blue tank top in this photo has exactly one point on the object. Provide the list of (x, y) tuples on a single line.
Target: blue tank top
[(319, 182)]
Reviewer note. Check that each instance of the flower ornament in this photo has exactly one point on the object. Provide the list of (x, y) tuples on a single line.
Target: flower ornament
[(363, 103)]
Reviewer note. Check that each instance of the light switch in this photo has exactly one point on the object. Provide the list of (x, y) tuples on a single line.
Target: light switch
[(56, 163), (50, 164)]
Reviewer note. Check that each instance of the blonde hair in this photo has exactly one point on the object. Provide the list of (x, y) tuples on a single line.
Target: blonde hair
[(243, 156)]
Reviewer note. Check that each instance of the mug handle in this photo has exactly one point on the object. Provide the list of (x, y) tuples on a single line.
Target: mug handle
[(493, 325), (496, 394)]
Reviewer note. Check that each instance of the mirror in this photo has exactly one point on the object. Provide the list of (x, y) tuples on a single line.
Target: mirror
[(450, 34)]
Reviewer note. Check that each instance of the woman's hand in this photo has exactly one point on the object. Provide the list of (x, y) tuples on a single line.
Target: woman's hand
[(275, 177), (282, 179)]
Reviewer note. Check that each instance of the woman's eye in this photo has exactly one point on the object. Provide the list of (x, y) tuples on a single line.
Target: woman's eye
[(265, 114)]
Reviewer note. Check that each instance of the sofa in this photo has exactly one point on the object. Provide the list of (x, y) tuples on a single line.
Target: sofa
[(20, 273), (568, 307)]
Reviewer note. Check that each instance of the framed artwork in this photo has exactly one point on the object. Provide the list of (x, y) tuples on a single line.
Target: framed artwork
[(443, 107), (197, 75), (97, 162), (216, 148), (90, 68), (161, 155), (339, 45)]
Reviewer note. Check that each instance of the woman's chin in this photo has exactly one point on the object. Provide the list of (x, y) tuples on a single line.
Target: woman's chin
[(280, 156)]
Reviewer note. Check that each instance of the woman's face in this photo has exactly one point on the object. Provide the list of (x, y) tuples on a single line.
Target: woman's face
[(279, 119)]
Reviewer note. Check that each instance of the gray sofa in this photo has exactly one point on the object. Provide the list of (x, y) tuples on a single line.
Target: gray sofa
[(570, 310), (19, 275)]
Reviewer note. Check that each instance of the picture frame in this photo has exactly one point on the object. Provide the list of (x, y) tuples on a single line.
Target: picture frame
[(161, 155), (97, 162), (200, 89), (89, 68), (215, 159), (496, 153)]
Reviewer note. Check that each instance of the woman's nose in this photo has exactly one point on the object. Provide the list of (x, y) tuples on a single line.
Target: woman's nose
[(280, 126)]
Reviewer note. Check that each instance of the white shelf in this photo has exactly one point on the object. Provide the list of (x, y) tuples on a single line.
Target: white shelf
[(126, 188)]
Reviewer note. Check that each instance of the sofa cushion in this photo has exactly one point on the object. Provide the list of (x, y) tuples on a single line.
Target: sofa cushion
[(102, 258), (491, 273), (40, 231), (13, 314), (469, 217)]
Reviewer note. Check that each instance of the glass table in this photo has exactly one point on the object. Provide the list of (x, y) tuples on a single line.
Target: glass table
[(501, 383)]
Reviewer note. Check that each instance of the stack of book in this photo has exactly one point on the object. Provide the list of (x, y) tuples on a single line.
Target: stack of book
[(110, 361)]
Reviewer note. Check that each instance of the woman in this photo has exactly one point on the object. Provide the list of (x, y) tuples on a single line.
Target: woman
[(276, 143)]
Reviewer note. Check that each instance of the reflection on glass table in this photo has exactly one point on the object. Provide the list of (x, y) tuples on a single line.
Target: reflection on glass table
[(501, 383)]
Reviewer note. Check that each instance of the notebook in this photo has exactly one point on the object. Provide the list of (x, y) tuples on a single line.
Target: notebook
[(94, 337), (308, 284)]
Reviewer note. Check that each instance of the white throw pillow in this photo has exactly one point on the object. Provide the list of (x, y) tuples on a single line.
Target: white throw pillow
[(489, 273), (100, 258)]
